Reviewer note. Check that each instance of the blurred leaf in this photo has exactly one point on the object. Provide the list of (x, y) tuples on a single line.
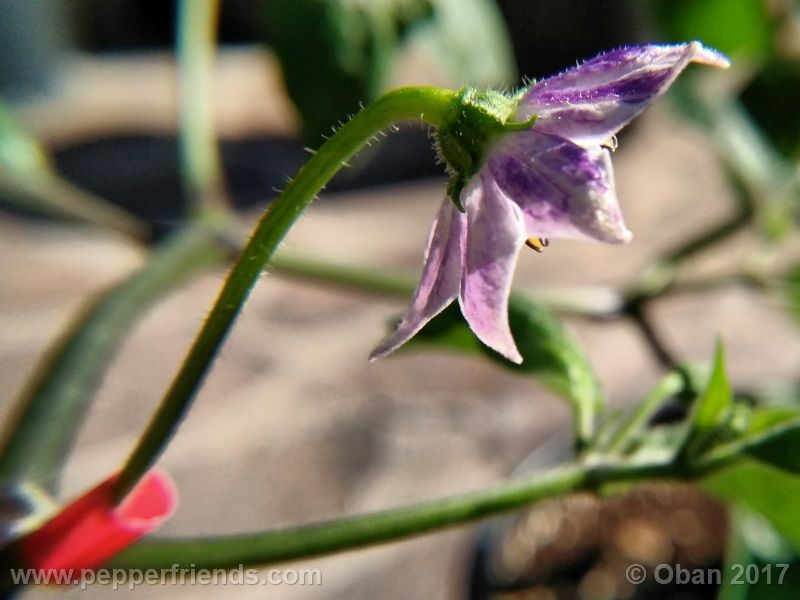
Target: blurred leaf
[(769, 433), (766, 586), (782, 448), (448, 330), (735, 27), (765, 418), (28, 180), (338, 54), (644, 424), (772, 98), (19, 151), (761, 539), (771, 492), (661, 442), (468, 41), (753, 541), (713, 405), (712, 409), (549, 352)]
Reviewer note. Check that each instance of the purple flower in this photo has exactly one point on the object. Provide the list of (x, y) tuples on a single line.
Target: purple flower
[(552, 180)]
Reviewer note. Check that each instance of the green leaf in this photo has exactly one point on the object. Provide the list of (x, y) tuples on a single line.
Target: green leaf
[(762, 419), (633, 429), (753, 541), (549, 352), (448, 330), (771, 492), (759, 536), (28, 180), (736, 27), (712, 408), (772, 428), (338, 54), (713, 405), (467, 40), (783, 448), (770, 436), (19, 151), (661, 443)]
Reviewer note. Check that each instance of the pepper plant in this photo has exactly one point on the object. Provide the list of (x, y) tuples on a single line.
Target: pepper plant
[(525, 167)]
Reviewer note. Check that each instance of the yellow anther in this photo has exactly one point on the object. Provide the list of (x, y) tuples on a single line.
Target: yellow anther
[(610, 144), (538, 244)]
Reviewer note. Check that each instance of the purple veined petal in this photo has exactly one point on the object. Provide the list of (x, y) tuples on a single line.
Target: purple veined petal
[(563, 190), (440, 281), (591, 102), (495, 234)]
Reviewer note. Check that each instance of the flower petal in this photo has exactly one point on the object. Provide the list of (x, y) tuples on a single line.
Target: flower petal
[(440, 280), (495, 234), (591, 102), (564, 191)]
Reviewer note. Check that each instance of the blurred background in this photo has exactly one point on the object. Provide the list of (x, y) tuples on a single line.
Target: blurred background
[(293, 425)]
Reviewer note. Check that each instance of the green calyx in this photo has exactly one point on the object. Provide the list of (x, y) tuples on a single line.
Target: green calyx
[(477, 117)]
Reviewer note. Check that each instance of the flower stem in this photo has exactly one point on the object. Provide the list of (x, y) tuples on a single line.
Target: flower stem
[(429, 104)]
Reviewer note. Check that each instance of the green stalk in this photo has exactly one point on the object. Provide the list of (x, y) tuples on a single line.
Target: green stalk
[(361, 279), (364, 530), (48, 194), (430, 104), (200, 160), (27, 178), (265, 548), (644, 411), (51, 408)]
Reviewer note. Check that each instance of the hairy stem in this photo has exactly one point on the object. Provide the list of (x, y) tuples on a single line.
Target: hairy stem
[(364, 530), (271, 547), (430, 104)]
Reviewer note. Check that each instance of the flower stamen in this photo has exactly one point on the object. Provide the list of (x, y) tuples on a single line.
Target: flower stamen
[(610, 144), (537, 243)]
